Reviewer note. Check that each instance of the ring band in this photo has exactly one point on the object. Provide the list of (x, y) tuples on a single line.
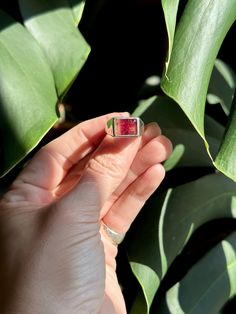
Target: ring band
[(125, 127), (115, 237)]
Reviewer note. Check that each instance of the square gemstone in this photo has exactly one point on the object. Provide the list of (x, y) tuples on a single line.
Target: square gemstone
[(125, 126)]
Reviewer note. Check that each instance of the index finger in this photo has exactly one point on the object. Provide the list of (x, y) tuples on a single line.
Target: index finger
[(49, 166)]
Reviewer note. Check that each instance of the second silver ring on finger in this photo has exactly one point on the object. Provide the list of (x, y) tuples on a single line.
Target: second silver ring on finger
[(115, 237)]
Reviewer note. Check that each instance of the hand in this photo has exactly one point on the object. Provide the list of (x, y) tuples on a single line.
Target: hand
[(54, 256)]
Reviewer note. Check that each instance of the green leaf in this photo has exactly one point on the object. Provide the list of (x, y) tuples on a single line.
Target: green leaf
[(161, 231), (78, 7), (150, 283), (226, 158), (199, 35), (139, 306), (204, 25), (177, 127), (222, 86), (27, 93), (170, 9), (175, 157), (110, 123), (52, 24), (208, 285), (143, 106)]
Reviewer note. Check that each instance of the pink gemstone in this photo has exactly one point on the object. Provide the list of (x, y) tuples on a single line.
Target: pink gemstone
[(126, 127)]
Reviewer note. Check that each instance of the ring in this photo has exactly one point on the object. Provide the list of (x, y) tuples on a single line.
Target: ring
[(115, 237), (125, 127)]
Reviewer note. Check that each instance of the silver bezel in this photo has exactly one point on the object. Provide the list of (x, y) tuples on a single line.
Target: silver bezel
[(127, 118), (110, 127)]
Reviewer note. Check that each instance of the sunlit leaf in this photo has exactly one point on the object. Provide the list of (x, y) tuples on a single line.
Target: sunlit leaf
[(27, 93), (78, 7), (143, 106), (52, 25), (199, 35), (163, 229), (170, 9), (226, 158), (208, 285)]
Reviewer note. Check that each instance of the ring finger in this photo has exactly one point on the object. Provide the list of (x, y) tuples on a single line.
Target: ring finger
[(126, 208)]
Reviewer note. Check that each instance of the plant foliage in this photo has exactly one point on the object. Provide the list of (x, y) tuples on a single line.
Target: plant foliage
[(39, 61), (42, 53)]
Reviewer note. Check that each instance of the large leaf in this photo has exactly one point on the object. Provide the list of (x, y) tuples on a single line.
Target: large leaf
[(52, 24), (170, 9), (27, 93), (225, 160), (78, 7), (199, 35), (162, 230), (177, 127), (208, 285), (222, 86)]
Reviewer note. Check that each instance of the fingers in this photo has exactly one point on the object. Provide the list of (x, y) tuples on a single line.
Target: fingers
[(145, 175), (51, 163), (104, 172), (152, 130), (156, 150), (126, 208)]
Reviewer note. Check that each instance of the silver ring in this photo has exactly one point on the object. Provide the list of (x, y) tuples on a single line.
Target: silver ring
[(125, 127), (115, 237)]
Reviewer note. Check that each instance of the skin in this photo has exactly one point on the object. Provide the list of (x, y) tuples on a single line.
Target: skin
[(55, 258)]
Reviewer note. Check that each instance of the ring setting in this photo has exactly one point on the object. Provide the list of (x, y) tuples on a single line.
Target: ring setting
[(125, 127)]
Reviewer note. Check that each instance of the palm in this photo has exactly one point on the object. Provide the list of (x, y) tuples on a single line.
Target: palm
[(37, 196)]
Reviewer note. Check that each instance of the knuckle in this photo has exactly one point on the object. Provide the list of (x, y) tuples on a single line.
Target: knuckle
[(106, 164)]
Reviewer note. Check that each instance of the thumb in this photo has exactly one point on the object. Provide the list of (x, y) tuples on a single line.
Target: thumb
[(104, 172)]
